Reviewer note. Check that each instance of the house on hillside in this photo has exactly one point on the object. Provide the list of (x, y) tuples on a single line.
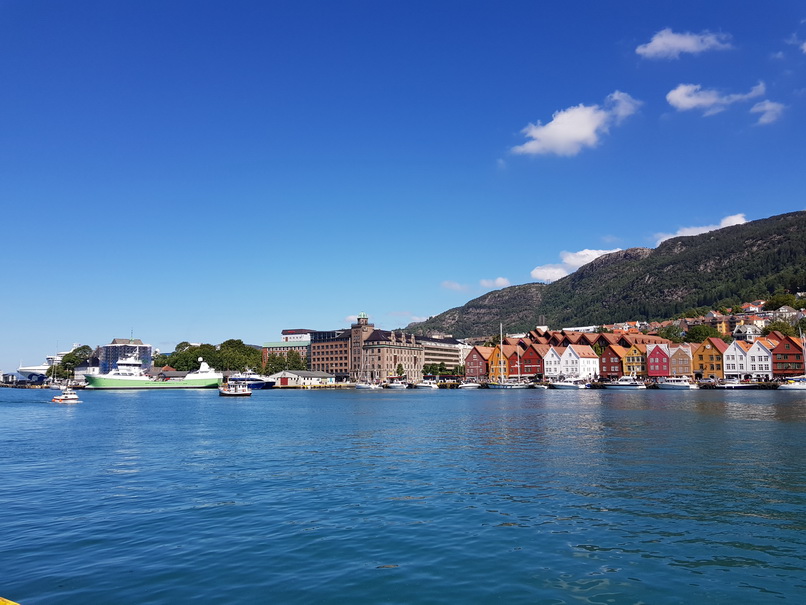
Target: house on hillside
[(747, 332)]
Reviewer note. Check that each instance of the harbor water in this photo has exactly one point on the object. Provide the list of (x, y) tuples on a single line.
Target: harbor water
[(416, 496)]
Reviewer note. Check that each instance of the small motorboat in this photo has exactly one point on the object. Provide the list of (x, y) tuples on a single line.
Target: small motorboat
[(67, 395), (427, 383), (629, 383), (677, 382), (369, 386), (235, 389), (469, 385), (569, 383)]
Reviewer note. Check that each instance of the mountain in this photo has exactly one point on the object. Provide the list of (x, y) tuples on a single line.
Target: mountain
[(720, 268)]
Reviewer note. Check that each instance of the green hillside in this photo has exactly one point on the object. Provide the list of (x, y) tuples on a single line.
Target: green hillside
[(719, 268)]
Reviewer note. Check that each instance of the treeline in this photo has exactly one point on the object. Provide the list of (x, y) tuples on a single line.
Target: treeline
[(230, 355)]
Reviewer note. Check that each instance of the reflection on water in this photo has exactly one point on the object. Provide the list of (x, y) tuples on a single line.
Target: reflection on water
[(546, 496)]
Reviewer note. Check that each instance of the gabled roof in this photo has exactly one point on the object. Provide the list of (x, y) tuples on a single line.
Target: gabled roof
[(541, 349), (654, 347), (584, 351), (616, 350), (485, 352), (680, 349)]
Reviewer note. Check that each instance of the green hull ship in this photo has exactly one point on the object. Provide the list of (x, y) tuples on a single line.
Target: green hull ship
[(129, 374)]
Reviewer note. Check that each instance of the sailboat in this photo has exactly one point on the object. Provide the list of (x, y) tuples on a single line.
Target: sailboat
[(362, 382), (505, 383)]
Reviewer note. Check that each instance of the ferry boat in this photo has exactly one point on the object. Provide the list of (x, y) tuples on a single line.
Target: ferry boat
[(626, 383), (129, 374), (678, 382)]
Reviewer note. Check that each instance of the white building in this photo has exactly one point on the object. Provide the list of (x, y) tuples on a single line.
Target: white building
[(552, 363), (735, 360), (302, 379), (759, 358), (579, 361)]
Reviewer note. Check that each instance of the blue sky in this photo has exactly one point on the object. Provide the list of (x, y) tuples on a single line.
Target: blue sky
[(199, 170)]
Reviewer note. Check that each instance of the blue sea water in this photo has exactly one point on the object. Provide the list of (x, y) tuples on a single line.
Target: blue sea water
[(404, 497)]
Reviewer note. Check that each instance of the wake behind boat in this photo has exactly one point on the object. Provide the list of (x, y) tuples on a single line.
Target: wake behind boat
[(129, 374)]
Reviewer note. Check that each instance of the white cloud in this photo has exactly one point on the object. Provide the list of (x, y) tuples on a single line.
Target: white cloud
[(498, 282), (693, 96), (728, 221), (452, 285), (572, 129), (571, 261), (666, 44), (770, 111)]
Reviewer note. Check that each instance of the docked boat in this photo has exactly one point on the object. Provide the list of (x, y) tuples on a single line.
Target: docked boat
[(427, 383), (252, 380), (366, 385), (507, 384), (129, 374), (67, 395), (235, 389), (469, 385), (397, 384), (678, 382), (569, 384), (627, 383), (733, 383), (797, 383)]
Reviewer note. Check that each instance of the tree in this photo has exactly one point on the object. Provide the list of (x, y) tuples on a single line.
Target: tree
[(399, 369), (295, 361), (74, 359), (701, 332), (671, 332), (780, 299), (784, 327)]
